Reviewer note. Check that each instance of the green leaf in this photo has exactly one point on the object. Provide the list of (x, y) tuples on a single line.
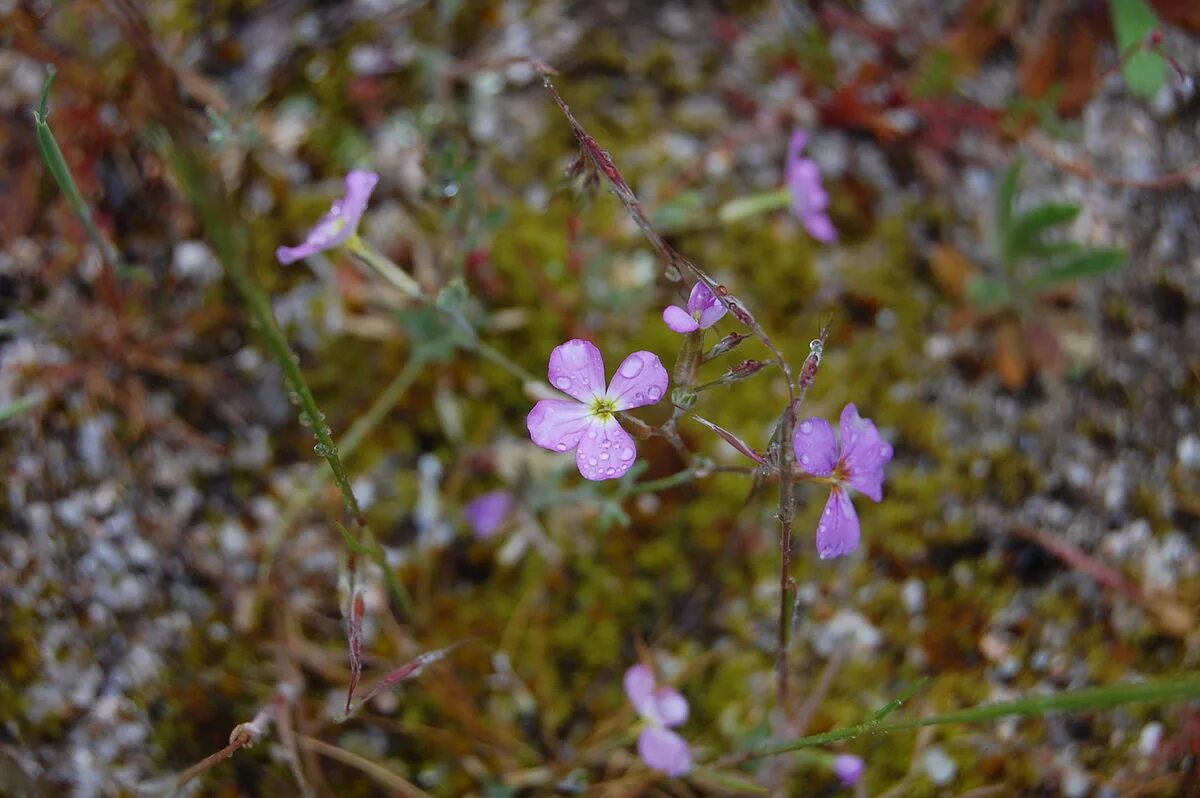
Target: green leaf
[(1004, 199), (753, 205), (1090, 263), (1024, 236), (987, 292), (1145, 70)]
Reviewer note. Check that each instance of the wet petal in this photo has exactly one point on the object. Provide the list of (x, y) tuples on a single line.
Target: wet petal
[(606, 451), (664, 750), (487, 513), (679, 320), (704, 301), (640, 380), (670, 706), (335, 227), (639, 687), (838, 530), (864, 453), (577, 369), (558, 424), (816, 446), (848, 768)]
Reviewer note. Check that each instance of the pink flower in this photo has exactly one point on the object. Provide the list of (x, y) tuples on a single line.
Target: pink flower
[(859, 465), (337, 226), (603, 450), (487, 513), (703, 311), (661, 708), (810, 203), (848, 768)]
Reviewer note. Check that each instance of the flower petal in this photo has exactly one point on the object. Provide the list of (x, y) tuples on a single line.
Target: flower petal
[(487, 513), (664, 750), (341, 222), (558, 424), (816, 446), (864, 453), (606, 452), (577, 369), (707, 304), (640, 380), (639, 687), (796, 146), (848, 768), (838, 530), (820, 227), (679, 320), (359, 185), (670, 706)]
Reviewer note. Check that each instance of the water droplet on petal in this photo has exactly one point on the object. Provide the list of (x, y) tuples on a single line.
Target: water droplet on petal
[(562, 447), (804, 459), (603, 455), (591, 461), (655, 393), (562, 383), (611, 471), (806, 427), (632, 366), (627, 453)]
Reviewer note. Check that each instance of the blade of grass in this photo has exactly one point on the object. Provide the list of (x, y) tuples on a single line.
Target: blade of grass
[(57, 164), (1089, 699)]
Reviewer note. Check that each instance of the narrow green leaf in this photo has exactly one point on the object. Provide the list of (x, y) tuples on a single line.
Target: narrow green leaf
[(745, 207), (1090, 263), (19, 406), (1004, 200), (987, 292), (353, 544), (1024, 235), (1145, 70)]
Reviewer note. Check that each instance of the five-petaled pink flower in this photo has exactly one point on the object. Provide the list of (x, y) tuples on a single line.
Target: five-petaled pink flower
[(703, 311), (603, 450), (858, 465), (848, 768), (337, 226), (810, 202), (660, 708)]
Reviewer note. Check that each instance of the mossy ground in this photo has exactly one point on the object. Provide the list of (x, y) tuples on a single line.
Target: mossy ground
[(692, 577)]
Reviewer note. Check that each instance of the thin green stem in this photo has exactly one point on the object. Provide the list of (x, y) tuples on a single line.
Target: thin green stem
[(664, 483), (359, 430), (1089, 699)]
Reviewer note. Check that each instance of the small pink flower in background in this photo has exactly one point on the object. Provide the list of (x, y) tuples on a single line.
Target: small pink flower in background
[(337, 226), (703, 311), (848, 768), (603, 450), (810, 202), (487, 513), (660, 708), (858, 464)]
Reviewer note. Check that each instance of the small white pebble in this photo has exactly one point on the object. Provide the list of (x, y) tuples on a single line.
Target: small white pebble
[(1149, 739), (940, 768), (913, 594), (1188, 451)]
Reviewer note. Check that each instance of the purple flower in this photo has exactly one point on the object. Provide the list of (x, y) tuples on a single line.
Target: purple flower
[(661, 708), (603, 450), (487, 513), (703, 311), (337, 226), (858, 465), (848, 768), (810, 203)]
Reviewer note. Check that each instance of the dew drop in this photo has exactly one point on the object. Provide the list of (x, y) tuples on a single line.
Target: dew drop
[(611, 471), (562, 383), (592, 461), (603, 455), (305, 420), (806, 427), (632, 367), (562, 447), (655, 393), (804, 459), (627, 453)]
